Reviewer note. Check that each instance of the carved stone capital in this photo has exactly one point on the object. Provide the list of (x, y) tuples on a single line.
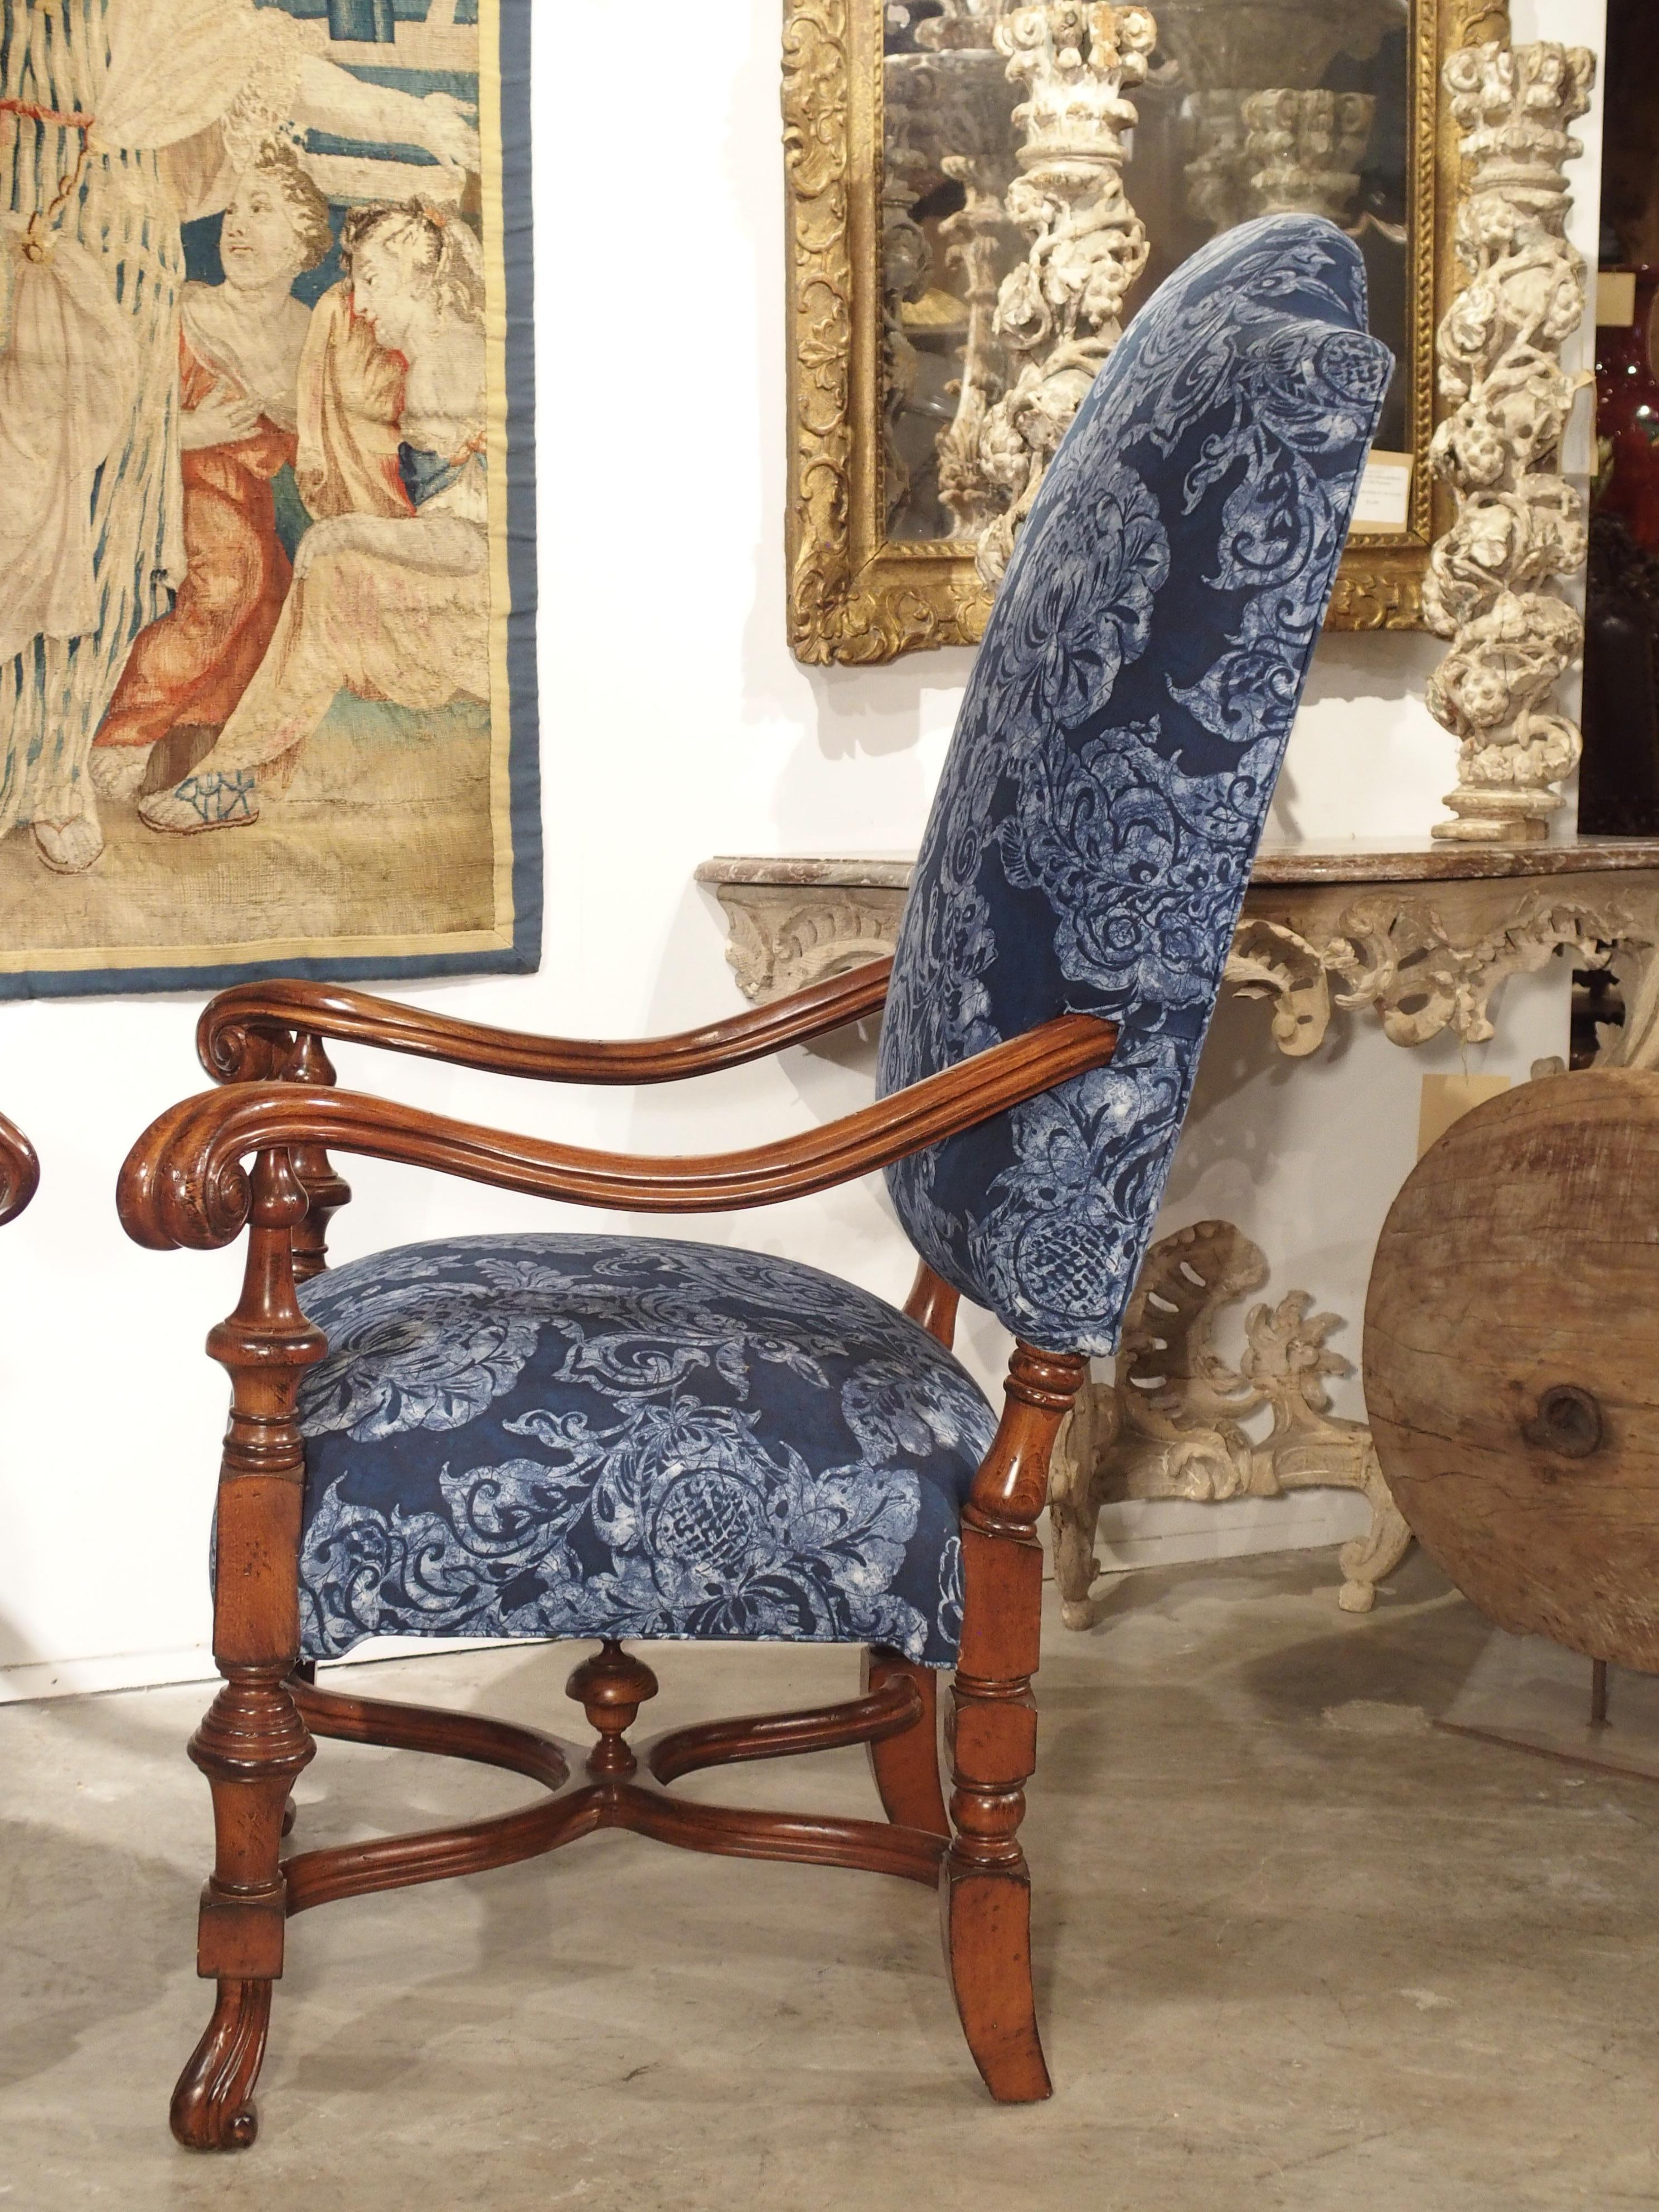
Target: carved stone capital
[(1058, 310), (1303, 151)]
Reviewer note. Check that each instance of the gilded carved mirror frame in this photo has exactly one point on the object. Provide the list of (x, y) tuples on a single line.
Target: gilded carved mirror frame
[(856, 596)]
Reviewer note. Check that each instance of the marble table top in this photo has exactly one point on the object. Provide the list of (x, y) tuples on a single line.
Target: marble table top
[(1431, 861)]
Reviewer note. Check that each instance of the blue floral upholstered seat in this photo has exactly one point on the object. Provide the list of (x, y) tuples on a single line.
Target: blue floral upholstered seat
[(621, 1435)]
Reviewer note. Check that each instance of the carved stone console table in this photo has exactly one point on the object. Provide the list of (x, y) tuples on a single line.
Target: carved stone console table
[(1423, 937)]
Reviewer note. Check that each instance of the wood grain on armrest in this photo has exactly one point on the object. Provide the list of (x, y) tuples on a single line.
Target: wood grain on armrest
[(246, 1034), (20, 1170), (184, 1183)]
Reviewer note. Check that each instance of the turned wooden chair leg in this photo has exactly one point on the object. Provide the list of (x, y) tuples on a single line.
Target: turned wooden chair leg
[(250, 1747), (906, 1767), (985, 1886), (253, 1742)]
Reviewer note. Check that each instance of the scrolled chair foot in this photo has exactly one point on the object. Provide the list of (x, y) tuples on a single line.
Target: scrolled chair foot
[(986, 1921), (213, 2105)]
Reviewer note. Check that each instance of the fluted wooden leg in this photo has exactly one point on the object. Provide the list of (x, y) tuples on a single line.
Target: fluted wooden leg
[(906, 1766), (253, 1742), (985, 1886)]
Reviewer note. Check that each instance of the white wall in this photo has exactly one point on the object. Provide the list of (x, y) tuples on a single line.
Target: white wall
[(676, 726)]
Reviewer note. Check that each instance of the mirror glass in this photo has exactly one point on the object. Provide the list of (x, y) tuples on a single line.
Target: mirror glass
[(1046, 167)]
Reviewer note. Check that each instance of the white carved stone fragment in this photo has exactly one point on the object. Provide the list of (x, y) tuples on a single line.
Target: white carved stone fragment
[(1519, 525), (1173, 1422), (1058, 311)]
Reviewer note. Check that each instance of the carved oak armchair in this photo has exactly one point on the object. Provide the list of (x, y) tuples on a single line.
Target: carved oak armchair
[(614, 1437)]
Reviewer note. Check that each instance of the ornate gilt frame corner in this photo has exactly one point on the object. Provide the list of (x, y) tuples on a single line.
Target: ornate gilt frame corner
[(855, 596)]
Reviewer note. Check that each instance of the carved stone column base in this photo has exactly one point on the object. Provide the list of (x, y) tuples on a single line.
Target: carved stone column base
[(1491, 817)]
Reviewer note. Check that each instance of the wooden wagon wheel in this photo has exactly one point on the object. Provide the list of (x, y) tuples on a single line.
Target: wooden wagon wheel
[(1512, 1360)]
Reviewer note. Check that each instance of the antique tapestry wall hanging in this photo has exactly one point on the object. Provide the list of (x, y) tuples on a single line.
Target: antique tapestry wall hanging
[(266, 548)]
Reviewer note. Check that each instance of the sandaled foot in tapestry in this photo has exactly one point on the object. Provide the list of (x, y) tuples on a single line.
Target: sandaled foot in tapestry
[(389, 597)]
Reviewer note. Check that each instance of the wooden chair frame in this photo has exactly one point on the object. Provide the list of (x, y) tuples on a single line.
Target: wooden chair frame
[(184, 1184), (20, 1171)]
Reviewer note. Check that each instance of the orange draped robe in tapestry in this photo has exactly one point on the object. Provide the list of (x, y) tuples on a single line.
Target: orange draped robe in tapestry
[(193, 665)]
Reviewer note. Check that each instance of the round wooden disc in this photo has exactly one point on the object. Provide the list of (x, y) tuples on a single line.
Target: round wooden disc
[(1511, 1359)]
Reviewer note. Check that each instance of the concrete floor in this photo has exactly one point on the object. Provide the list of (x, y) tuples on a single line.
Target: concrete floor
[(1295, 1949)]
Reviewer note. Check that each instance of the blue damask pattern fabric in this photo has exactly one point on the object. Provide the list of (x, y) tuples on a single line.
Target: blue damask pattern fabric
[(1112, 767), (620, 1435)]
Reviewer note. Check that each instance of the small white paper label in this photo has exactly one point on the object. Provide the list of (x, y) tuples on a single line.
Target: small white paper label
[(1385, 493)]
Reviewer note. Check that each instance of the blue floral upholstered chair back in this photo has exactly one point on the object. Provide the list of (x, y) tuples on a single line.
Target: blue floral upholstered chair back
[(1111, 771)]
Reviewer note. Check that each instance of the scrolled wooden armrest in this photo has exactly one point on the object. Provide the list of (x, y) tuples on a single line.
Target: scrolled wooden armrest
[(246, 1034), (20, 1170), (184, 1183)]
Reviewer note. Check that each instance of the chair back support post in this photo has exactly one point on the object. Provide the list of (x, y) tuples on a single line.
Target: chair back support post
[(991, 1732), (253, 1742), (326, 1189), (933, 1303)]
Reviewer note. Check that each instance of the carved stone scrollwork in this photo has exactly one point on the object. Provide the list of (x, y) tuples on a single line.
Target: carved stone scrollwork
[(784, 939), (1518, 525), (1218, 176), (1424, 975), (954, 96), (1057, 311), (1424, 964), (973, 239), (1172, 1423)]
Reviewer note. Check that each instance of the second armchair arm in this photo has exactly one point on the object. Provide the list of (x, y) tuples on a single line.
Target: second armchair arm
[(248, 1034), (184, 1183)]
